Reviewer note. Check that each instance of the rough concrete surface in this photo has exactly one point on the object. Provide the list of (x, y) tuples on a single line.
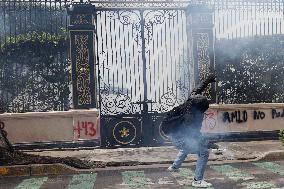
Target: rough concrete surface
[(106, 158), (148, 155)]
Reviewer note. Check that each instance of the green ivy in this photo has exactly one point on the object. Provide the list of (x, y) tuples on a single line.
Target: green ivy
[(34, 41), (36, 74), (282, 136)]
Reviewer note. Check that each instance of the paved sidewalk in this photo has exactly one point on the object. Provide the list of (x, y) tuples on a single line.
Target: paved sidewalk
[(232, 151), (107, 159)]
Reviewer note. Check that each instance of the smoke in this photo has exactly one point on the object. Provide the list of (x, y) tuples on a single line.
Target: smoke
[(186, 134), (250, 69)]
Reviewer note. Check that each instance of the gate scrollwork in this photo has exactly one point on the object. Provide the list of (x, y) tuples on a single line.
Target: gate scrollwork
[(114, 103)]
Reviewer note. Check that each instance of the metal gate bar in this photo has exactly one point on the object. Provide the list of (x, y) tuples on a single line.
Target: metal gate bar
[(146, 68), (136, 45)]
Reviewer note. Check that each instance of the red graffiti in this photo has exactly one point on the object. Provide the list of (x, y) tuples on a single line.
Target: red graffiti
[(86, 128), (2, 125), (209, 119)]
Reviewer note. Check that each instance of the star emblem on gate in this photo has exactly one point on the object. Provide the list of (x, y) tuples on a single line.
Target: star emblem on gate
[(124, 132)]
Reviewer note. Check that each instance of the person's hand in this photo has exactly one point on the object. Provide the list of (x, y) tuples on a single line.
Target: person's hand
[(211, 78), (213, 146)]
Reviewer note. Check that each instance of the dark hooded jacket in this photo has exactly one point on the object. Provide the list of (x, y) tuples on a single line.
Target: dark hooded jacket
[(191, 122), (185, 120)]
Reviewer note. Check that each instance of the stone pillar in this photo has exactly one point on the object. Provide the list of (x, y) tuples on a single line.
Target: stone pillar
[(82, 54), (201, 45)]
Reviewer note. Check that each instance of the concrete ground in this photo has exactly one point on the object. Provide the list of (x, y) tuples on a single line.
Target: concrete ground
[(241, 175), (231, 151), (133, 158)]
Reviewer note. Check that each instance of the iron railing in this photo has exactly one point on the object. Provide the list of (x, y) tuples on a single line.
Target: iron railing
[(34, 71), (33, 56)]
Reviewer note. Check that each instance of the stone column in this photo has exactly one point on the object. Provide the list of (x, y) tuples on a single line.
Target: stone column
[(201, 45), (82, 54)]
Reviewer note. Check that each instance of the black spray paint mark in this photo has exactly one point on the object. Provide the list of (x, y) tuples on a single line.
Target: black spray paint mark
[(276, 113), (236, 116), (258, 115)]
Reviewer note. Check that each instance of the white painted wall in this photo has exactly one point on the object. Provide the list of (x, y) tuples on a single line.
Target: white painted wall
[(65, 126), (214, 121), (51, 126)]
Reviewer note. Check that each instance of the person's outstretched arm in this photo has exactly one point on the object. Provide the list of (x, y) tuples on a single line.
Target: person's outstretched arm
[(201, 88)]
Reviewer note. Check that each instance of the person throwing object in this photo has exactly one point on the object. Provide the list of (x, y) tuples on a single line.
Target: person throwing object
[(183, 124)]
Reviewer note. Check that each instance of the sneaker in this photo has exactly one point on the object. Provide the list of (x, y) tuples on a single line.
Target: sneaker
[(200, 184), (173, 169)]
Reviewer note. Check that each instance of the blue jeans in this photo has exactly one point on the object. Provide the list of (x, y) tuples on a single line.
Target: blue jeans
[(192, 147)]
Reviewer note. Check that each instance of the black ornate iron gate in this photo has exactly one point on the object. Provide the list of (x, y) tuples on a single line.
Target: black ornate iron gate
[(140, 77), (148, 59), (146, 68)]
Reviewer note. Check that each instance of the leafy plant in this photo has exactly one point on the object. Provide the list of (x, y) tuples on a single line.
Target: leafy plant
[(282, 136), (32, 42), (250, 70), (35, 75)]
